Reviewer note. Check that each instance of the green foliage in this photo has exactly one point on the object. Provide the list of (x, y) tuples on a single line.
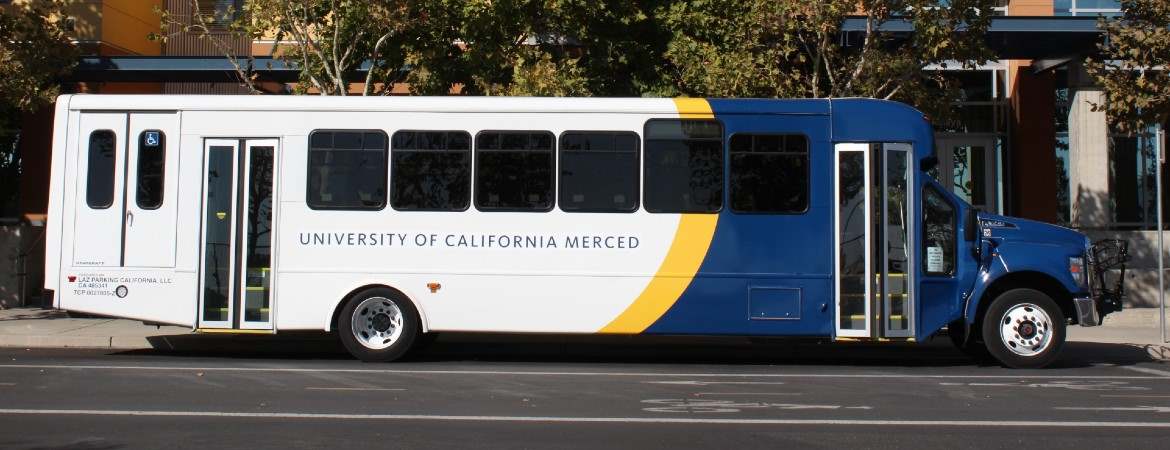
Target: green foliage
[(1133, 65), (34, 53), (710, 48), (793, 48), (332, 38)]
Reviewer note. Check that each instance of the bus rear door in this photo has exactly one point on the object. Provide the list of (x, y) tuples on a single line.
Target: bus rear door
[(124, 212)]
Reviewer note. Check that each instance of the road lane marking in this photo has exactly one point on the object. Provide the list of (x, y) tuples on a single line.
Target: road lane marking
[(1075, 385), (7, 384), (1148, 370), (564, 419), (708, 383), (1136, 396), (1157, 409), (749, 393), (351, 389), (586, 374), (686, 405)]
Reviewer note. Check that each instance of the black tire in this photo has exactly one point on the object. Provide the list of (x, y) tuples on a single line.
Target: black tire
[(379, 298), (1037, 342)]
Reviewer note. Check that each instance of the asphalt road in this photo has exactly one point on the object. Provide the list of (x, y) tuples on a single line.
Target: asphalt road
[(580, 393)]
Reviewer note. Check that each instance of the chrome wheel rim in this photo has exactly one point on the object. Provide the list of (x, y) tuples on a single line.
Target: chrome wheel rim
[(376, 323), (1026, 329)]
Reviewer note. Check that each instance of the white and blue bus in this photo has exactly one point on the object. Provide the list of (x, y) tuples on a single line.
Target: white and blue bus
[(385, 219)]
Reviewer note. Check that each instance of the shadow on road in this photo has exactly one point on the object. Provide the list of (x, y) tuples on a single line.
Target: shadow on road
[(458, 347)]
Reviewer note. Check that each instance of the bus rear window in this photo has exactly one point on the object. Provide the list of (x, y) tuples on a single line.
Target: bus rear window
[(99, 177), (152, 155), (514, 171), (684, 166), (347, 170)]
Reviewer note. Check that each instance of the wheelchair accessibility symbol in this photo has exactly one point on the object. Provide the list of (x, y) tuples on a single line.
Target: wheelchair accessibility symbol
[(152, 139)]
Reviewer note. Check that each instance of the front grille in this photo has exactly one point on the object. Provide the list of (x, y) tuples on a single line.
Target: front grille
[(1106, 260)]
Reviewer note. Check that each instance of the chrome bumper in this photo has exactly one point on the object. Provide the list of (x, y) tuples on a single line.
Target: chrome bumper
[(1087, 315)]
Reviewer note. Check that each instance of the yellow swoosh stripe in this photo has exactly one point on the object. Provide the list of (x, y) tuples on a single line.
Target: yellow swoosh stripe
[(691, 241)]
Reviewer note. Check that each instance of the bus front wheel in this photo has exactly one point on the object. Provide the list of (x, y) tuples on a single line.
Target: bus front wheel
[(1024, 329), (378, 325)]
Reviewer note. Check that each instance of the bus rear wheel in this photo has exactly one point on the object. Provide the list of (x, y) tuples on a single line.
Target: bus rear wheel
[(378, 325), (1024, 329)]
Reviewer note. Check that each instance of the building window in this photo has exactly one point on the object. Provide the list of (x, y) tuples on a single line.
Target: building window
[(514, 170), (938, 232), (152, 156), (347, 170), (769, 173), (219, 14), (431, 170), (599, 171), (1133, 183), (99, 178), (1108, 8), (683, 166), (1063, 105)]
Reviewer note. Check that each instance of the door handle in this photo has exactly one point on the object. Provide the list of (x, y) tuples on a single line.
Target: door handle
[(129, 219)]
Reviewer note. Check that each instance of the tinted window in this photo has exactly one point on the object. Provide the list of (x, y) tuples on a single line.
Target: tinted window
[(938, 234), (431, 170), (514, 170), (99, 179), (684, 166), (152, 154), (599, 171), (347, 170), (769, 173)]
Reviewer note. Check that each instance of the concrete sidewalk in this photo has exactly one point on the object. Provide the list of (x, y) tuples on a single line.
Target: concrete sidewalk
[(37, 328)]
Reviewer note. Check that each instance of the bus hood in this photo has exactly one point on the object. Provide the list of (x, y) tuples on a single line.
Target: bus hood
[(1024, 230)]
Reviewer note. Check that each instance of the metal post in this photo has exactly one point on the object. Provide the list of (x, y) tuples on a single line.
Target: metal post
[(1159, 141)]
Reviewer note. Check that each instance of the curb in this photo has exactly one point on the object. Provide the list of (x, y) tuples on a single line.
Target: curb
[(96, 342)]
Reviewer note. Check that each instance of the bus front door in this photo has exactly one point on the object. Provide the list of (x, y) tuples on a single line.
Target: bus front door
[(235, 262), (873, 245)]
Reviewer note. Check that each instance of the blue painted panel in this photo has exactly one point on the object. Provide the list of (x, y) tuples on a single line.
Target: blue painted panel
[(766, 249)]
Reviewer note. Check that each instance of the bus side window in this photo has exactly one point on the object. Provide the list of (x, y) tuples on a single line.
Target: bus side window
[(99, 177), (938, 233), (152, 156), (769, 173), (514, 171), (347, 170), (599, 171), (431, 170), (683, 166)]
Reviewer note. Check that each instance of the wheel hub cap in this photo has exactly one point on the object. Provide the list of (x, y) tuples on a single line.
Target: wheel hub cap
[(376, 323), (1026, 329), (381, 322)]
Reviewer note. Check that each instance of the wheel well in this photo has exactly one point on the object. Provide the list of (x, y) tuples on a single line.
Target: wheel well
[(345, 299), (1031, 280)]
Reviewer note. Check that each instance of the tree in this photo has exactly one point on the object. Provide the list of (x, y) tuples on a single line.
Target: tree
[(798, 48), (35, 52), (326, 40), (1134, 66)]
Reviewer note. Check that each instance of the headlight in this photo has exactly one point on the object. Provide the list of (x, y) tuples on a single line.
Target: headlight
[(1076, 268)]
